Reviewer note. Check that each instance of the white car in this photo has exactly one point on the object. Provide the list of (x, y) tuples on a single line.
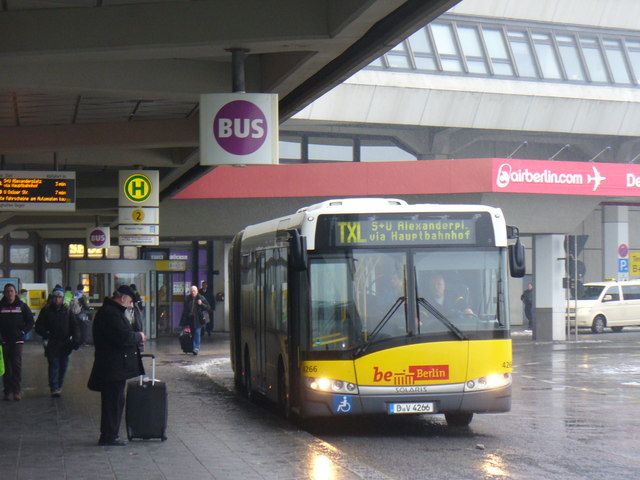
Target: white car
[(608, 304)]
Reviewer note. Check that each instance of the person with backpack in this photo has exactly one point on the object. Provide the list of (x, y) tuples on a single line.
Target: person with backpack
[(60, 330)]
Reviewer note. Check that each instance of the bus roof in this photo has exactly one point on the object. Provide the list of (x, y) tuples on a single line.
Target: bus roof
[(305, 218)]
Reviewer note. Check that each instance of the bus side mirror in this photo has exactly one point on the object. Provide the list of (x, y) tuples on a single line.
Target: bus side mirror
[(517, 259), (299, 256)]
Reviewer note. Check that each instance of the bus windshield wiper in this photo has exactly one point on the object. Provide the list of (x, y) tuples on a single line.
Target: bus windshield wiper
[(399, 301), (436, 313)]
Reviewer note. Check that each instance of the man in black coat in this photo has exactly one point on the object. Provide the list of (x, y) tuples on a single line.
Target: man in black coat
[(60, 330), (208, 296), (16, 320), (195, 305), (117, 359)]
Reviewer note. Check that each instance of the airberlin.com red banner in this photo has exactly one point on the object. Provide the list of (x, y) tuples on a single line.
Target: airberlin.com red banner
[(566, 178)]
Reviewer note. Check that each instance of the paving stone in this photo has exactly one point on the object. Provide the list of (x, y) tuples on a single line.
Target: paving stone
[(212, 434)]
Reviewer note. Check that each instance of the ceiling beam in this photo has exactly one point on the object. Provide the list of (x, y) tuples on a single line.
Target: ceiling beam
[(139, 134), (148, 79), (162, 29)]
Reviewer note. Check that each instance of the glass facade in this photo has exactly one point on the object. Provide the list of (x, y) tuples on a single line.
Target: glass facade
[(301, 148), (455, 45), (24, 254)]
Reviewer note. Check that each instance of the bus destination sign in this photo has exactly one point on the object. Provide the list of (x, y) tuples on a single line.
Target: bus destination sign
[(406, 229), (37, 191), (405, 232)]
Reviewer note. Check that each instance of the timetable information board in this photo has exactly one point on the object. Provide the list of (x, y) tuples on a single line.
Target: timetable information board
[(37, 191)]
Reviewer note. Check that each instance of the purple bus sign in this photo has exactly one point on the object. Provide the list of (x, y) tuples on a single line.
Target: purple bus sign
[(98, 237), (238, 129)]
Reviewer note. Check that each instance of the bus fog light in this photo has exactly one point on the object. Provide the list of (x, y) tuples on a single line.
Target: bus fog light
[(489, 382), (331, 385)]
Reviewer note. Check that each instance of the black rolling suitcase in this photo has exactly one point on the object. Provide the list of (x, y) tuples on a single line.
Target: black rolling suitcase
[(146, 406), (186, 341)]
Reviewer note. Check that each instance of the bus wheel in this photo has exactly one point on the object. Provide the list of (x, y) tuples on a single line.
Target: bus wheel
[(284, 406), (598, 324), (458, 419), (616, 329)]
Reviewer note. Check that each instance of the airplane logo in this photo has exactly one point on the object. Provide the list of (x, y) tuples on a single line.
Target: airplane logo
[(596, 178)]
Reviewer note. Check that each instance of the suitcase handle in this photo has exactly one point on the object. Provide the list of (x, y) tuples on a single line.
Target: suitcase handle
[(153, 368)]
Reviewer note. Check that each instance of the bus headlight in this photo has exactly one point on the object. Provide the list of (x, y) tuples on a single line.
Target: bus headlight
[(322, 384), (488, 382)]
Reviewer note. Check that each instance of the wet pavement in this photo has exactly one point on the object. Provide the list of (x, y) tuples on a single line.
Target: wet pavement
[(575, 415)]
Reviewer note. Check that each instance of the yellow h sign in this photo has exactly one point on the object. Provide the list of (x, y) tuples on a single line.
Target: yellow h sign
[(137, 187)]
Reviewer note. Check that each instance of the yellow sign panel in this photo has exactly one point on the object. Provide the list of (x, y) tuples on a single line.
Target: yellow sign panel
[(171, 265), (634, 263), (137, 187), (137, 215)]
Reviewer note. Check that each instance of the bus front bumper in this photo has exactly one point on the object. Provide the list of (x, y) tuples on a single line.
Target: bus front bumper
[(320, 404)]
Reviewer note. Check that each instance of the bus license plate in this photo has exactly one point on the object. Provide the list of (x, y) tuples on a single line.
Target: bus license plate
[(421, 407)]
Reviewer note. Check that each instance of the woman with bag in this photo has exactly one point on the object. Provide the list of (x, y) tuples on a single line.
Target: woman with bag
[(195, 305), (61, 333)]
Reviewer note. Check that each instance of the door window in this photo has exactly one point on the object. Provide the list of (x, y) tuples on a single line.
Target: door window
[(631, 292), (614, 293)]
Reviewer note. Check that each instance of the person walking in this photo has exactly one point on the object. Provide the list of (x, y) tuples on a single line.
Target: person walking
[(117, 358), (192, 315), (527, 301), (68, 295), (138, 309), (61, 332), (208, 296), (16, 320)]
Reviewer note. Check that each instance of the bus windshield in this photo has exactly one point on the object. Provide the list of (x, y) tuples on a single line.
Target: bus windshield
[(361, 296)]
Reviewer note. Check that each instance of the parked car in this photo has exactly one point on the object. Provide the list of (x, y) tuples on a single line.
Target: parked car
[(608, 304)]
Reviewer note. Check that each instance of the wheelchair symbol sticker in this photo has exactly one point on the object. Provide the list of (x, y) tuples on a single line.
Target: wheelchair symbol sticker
[(342, 404)]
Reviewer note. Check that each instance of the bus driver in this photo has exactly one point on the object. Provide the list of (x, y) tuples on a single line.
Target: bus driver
[(438, 297)]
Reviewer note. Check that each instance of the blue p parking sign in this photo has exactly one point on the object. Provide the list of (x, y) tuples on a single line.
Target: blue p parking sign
[(623, 265)]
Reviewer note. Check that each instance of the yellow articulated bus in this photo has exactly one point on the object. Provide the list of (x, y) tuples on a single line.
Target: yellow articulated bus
[(374, 306)]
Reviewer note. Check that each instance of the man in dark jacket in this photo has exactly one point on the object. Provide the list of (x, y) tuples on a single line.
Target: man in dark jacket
[(208, 296), (60, 331), (138, 309), (527, 300), (16, 319), (116, 359), (192, 315)]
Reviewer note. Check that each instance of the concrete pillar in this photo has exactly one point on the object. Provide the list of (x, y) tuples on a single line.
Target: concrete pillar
[(549, 295), (221, 322), (616, 232)]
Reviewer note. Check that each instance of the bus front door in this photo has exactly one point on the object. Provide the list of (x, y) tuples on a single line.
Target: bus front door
[(261, 325)]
